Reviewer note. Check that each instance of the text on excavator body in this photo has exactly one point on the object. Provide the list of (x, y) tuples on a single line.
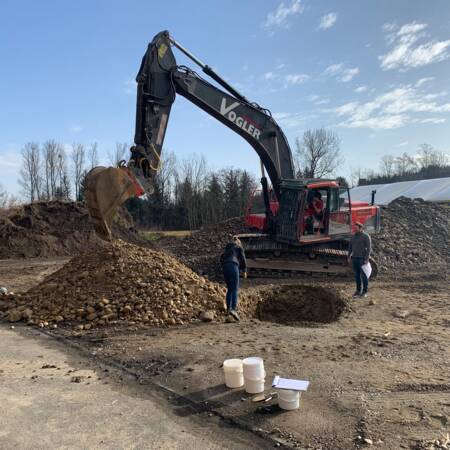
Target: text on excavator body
[(228, 112)]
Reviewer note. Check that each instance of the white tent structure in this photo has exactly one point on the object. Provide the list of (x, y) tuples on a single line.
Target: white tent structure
[(436, 190)]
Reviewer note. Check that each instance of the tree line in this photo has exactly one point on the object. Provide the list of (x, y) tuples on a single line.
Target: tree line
[(188, 195), (52, 172), (426, 163)]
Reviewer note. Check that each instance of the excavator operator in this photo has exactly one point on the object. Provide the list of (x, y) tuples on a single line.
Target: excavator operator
[(314, 212)]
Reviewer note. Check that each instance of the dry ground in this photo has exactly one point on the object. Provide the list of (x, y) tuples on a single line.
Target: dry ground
[(381, 372)]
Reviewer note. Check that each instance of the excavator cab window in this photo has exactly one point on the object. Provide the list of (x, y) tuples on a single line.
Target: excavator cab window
[(339, 216)]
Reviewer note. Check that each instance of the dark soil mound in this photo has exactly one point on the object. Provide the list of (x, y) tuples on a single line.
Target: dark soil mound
[(202, 249), (298, 304), (48, 229), (414, 234)]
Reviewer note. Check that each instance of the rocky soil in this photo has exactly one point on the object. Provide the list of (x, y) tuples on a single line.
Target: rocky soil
[(49, 229), (413, 233), (202, 249), (126, 284), (122, 283)]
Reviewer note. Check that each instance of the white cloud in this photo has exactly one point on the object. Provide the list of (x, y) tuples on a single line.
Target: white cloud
[(389, 27), (317, 100), (342, 74), (361, 89), (292, 120), (296, 78), (10, 160), (130, 86), (334, 68), (280, 17), (406, 52), (348, 74), (423, 81), (402, 144), (270, 76), (328, 20), (435, 120), (394, 109), (75, 128)]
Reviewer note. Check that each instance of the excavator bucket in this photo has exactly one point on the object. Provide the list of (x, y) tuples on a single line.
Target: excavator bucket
[(106, 189)]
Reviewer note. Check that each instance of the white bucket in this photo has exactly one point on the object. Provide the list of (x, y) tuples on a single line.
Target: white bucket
[(254, 368), (234, 376), (254, 386), (289, 405), (288, 395)]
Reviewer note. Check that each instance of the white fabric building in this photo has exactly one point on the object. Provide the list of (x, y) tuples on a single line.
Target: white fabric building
[(436, 190)]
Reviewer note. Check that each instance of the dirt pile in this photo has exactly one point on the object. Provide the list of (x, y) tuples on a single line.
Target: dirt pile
[(202, 249), (124, 283), (414, 233), (47, 229), (120, 283)]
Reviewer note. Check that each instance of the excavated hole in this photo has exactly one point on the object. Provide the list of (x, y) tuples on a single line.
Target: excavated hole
[(290, 304)]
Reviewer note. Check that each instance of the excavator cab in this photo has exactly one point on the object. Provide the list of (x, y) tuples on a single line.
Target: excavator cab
[(312, 211)]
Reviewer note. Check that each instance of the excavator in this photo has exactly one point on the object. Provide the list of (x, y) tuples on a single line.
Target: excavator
[(304, 225)]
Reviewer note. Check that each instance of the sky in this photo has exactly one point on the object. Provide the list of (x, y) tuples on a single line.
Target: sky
[(376, 72)]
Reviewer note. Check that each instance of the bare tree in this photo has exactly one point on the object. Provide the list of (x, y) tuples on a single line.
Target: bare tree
[(93, 155), (118, 153), (63, 180), (357, 174), (387, 165), (318, 153), (4, 197), (50, 154), (405, 164), (166, 175), (30, 176), (429, 157), (194, 174), (78, 158)]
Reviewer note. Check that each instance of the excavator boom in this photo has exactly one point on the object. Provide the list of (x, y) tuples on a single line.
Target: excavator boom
[(158, 81)]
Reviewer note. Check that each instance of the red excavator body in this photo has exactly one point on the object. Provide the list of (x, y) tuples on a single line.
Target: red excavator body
[(257, 220)]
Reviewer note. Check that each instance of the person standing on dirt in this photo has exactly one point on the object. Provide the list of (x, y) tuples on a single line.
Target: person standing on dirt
[(359, 254), (233, 261)]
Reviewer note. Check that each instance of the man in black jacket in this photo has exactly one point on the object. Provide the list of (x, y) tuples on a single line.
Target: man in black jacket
[(359, 254), (233, 261)]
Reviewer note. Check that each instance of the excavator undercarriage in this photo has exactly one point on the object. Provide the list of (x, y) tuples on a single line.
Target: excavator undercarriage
[(268, 258)]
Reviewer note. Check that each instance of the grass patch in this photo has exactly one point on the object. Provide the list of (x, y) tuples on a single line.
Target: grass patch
[(157, 235)]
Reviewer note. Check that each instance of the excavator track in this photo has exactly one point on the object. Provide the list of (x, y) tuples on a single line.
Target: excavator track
[(268, 258)]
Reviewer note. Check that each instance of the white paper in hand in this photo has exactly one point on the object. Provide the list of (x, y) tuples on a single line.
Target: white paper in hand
[(367, 269)]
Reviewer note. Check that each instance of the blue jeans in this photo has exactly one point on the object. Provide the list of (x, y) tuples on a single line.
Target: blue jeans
[(231, 275), (360, 276)]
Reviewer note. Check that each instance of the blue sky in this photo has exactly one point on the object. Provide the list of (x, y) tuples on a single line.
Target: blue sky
[(375, 71)]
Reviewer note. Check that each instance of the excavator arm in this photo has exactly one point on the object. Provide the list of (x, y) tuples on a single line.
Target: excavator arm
[(158, 81)]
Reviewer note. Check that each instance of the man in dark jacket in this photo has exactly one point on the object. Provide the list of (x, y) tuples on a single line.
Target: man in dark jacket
[(359, 254), (233, 260)]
